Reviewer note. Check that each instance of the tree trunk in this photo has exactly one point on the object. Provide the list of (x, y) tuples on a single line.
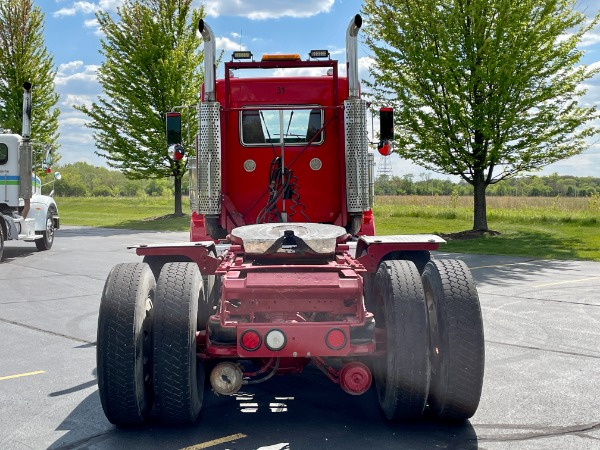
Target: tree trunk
[(479, 204), (178, 210)]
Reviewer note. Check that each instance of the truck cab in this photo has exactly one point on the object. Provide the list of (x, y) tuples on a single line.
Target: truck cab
[(283, 148), (25, 214)]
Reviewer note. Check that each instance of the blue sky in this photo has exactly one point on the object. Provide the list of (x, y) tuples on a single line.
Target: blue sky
[(281, 26)]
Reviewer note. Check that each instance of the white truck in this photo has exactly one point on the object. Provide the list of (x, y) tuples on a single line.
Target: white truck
[(25, 214)]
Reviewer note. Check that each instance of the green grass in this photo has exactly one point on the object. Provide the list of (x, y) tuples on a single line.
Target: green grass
[(549, 228), (140, 213)]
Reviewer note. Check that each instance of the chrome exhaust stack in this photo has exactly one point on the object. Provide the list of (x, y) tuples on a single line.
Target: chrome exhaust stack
[(26, 131), (209, 60), (355, 123), (25, 154), (352, 56), (209, 133)]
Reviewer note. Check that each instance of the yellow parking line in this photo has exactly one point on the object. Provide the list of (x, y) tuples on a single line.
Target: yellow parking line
[(566, 282), (19, 375), (214, 442)]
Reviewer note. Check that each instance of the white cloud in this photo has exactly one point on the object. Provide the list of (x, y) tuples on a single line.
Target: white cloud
[(300, 72), (75, 8), (68, 100), (363, 69), (91, 23), (224, 43), (89, 74), (82, 7), (581, 165), (73, 141), (594, 66), (364, 64), (261, 10), (589, 39), (70, 66), (94, 25), (110, 5), (76, 121)]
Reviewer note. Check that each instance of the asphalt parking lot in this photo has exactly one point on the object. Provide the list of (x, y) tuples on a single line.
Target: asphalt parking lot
[(541, 388)]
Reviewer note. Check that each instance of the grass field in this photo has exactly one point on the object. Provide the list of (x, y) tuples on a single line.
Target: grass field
[(551, 228), (139, 213)]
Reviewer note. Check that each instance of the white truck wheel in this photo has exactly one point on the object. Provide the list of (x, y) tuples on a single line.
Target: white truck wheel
[(45, 243)]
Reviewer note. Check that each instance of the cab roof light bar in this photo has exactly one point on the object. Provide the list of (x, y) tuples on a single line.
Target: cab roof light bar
[(237, 55), (317, 54), (281, 57)]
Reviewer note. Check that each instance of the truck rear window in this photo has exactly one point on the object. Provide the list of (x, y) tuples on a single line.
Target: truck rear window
[(264, 127)]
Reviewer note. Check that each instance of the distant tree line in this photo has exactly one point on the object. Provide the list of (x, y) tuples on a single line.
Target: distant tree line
[(85, 180), (528, 186)]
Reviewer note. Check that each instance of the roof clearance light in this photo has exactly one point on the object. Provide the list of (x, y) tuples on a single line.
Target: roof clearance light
[(282, 57), (241, 55), (319, 54)]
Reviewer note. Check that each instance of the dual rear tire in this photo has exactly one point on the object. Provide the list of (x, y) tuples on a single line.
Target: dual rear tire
[(402, 375), (178, 373), (457, 352), (434, 346), (124, 344), (146, 347)]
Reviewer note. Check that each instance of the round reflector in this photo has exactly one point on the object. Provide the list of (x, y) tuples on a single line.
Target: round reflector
[(335, 339), (275, 340), (355, 378), (250, 340), (385, 149)]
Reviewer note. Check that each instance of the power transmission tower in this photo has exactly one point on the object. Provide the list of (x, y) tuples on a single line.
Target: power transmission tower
[(384, 167)]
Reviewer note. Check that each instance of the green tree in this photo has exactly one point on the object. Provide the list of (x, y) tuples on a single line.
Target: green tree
[(157, 188), (482, 89), (24, 57), (153, 63)]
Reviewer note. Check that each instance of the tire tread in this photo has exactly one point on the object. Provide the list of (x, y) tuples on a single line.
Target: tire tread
[(116, 345), (461, 312), (173, 331), (406, 314)]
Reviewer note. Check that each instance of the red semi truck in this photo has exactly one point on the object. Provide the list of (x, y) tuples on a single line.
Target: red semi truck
[(283, 268)]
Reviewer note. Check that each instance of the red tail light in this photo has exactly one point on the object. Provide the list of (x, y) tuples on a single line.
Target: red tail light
[(336, 339), (250, 340)]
